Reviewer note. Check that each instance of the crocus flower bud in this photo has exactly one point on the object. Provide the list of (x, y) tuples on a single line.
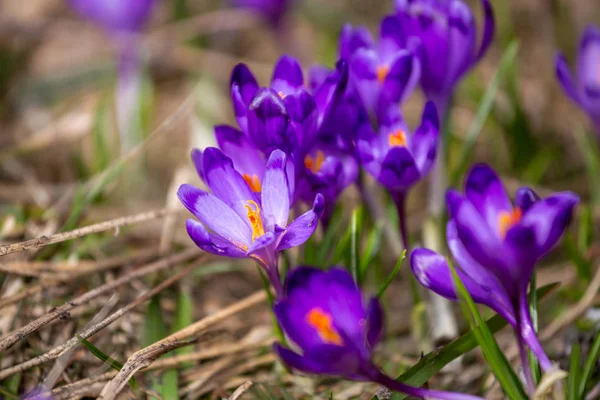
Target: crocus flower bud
[(584, 87)]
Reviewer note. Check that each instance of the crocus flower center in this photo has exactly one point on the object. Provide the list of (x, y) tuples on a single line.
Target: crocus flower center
[(507, 219), (397, 138), (281, 94), (314, 163), (323, 324), (255, 220), (253, 182), (382, 73)]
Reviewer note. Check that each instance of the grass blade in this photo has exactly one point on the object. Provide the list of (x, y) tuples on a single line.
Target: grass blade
[(497, 361), (591, 157), (485, 107), (588, 369), (433, 362), (391, 277), (574, 368)]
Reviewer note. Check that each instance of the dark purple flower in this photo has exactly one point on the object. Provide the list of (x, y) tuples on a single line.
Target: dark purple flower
[(115, 16), (584, 88), (382, 74), (447, 33), (241, 219), (272, 10), (396, 158), (496, 246), (335, 330)]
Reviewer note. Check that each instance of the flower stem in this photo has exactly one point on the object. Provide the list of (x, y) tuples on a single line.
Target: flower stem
[(423, 393), (528, 335), (525, 365), (400, 201)]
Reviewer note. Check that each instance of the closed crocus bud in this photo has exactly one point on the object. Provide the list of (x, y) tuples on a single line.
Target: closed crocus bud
[(584, 86), (447, 33), (115, 16), (272, 10), (335, 330)]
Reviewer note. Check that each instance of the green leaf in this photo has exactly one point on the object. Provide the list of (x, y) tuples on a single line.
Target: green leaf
[(532, 297), (391, 277), (355, 229), (433, 362), (574, 368), (491, 351), (9, 395), (101, 131), (184, 316), (370, 252), (588, 369), (114, 364), (485, 107), (154, 330), (591, 156)]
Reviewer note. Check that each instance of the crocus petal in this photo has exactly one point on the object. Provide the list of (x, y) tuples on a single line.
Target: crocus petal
[(275, 192), (268, 122), (114, 15), (225, 182), (352, 39), (303, 227), (433, 272), (317, 74), (398, 83), (391, 38), (588, 58), (302, 110), (215, 214), (265, 240), (298, 362), (519, 254), (375, 322), (246, 158), (324, 360), (461, 41), (212, 243), (242, 77), (287, 76), (363, 66), (482, 276), (197, 161), (563, 73), (489, 28), (485, 191), (525, 197), (425, 139), (474, 232), (398, 169), (549, 218)]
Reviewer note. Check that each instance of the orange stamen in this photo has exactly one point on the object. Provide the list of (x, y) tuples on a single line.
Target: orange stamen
[(253, 182), (314, 163), (281, 94), (382, 73), (255, 220), (508, 219), (397, 138), (323, 324)]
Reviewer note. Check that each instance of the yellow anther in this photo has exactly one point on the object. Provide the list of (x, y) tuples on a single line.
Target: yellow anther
[(255, 220), (314, 163), (382, 73), (253, 182), (507, 219), (397, 138), (323, 324)]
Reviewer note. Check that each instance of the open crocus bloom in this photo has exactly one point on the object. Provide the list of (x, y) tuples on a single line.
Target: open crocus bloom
[(382, 74), (396, 158), (584, 88), (324, 314), (235, 220), (447, 32), (496, 246)]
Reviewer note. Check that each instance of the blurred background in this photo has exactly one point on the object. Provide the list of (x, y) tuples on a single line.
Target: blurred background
[(63, 165)]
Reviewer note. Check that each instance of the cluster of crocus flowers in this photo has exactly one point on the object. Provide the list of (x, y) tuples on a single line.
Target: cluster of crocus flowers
[(123, 21), (446, 35), (235, 220), (496, 245), (324, 314), (584, 87)]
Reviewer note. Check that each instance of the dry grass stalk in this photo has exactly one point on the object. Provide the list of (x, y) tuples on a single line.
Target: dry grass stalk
[(63, 310)]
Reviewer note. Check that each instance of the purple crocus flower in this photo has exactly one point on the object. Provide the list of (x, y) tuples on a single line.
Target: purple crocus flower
[(272, 10), (238, 221), (496, 246), (447, 33), (382, 74), (325, 315), (396, 158), (123, 21), (584, 88)]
